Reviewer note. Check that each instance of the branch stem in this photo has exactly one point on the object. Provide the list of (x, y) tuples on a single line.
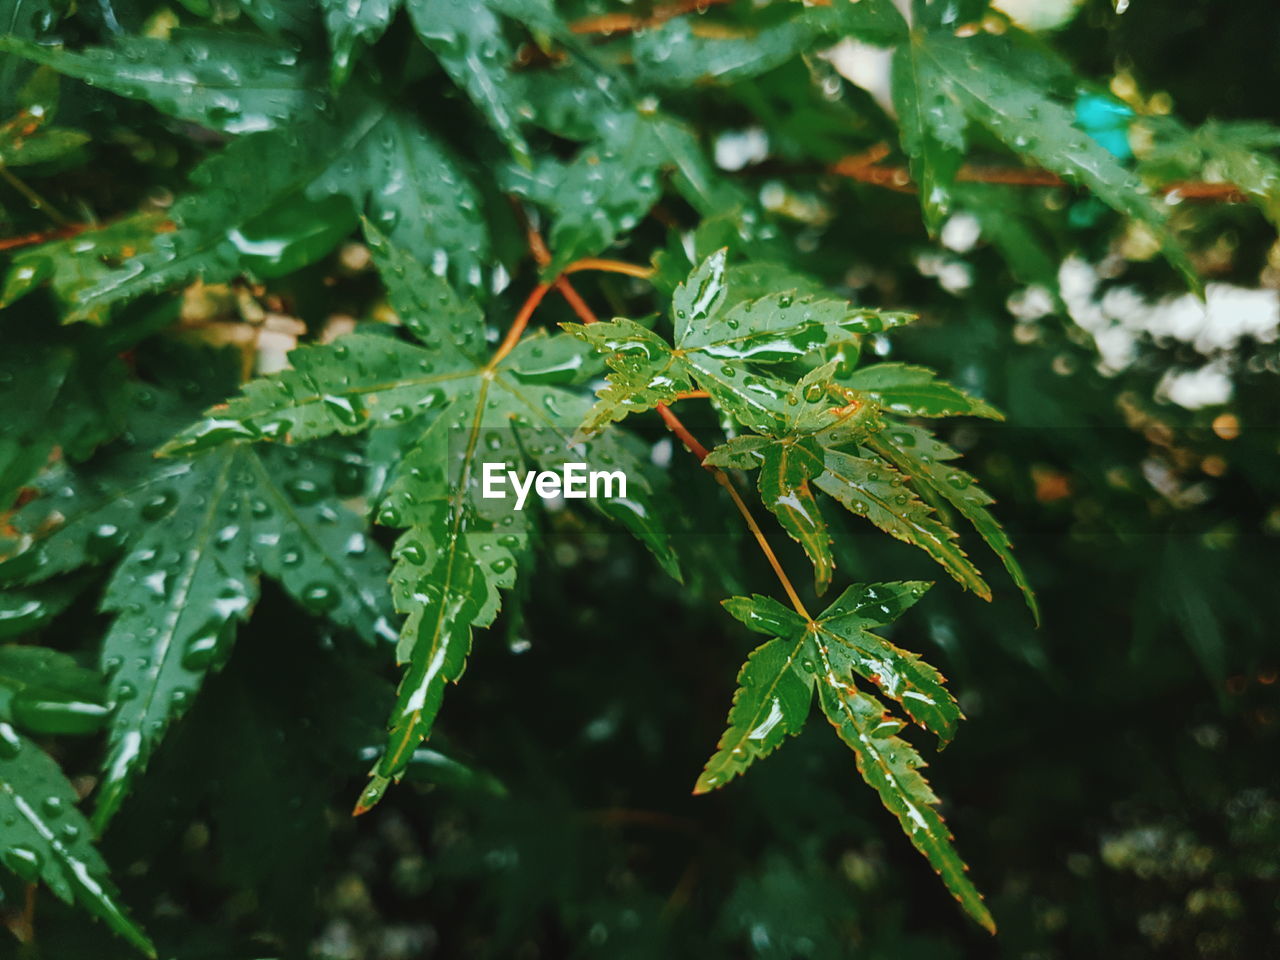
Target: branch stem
[(542, 256), (610, 23), (864, 168), (698, 450), (518, 324), (576, 303), (33, 198), (610, 266)]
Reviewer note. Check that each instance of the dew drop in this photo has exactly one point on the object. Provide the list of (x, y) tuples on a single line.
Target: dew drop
[(320, 597), (23, 861), (412, 551)]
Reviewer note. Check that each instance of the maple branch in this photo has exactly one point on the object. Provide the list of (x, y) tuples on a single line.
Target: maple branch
[(518, 324), (37, 201), (676, 426), (542, 256), (40, 236), (576, 303), (609, 23), (698, 450), (864, 168), (610, 266)]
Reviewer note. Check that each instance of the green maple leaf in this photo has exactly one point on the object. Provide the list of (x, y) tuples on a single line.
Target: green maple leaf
[(470, 44), (47, 839), (45, 692), (1007, 86), (808, 451), (928, 461), (351, 24), (675, 55), (189, 540), (718, 341), (383, 160), (775, 692), (232, 82), (60, 391), (460, 550)]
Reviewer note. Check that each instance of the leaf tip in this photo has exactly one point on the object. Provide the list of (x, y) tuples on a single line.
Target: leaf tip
[(371, 795)]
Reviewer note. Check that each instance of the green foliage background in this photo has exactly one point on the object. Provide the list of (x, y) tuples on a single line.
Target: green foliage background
[(250, 167)]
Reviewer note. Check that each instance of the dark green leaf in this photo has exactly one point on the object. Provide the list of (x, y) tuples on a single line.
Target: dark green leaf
[(470, 44), (916, 392), (236, 83), (891, 766), (46, 692), (927, 461), (46, 838), (353, 23)]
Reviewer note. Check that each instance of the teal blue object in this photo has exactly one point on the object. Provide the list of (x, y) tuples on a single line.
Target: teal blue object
[(1106, 121), (1086, 212)]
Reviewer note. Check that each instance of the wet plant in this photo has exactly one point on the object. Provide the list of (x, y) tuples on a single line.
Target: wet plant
[(509, 233)]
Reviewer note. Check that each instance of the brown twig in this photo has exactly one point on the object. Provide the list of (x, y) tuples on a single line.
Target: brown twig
[(41, 236), (676, 426), (576, 303), (864, 168), (33, 198), (542, 256), (610, 266), (608, 23), (518, 324)]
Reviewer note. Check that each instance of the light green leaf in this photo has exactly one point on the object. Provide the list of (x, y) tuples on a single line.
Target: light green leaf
[(804, 452), (644, 371), (875, 490), (891, 766), (772, 701), (765, 615), (716, 341), (912, 391), (844, 629), (775, 688), (928, 461), (784, 483), (439, 581)]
